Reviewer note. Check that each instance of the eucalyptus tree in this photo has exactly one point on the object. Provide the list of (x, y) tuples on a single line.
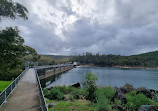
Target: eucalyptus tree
[(11, 43)]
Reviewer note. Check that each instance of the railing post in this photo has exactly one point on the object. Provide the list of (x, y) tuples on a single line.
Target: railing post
[(15, 83), (11, 87), (54, 70), (5, 95)]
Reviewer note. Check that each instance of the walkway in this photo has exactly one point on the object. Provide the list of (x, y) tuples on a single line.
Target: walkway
[(25, 96)]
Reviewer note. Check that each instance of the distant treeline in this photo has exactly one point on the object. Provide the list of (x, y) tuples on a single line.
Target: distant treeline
[(59, 59), (142, 60)]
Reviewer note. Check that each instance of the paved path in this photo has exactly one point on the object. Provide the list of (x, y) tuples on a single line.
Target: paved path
[(25, 96)]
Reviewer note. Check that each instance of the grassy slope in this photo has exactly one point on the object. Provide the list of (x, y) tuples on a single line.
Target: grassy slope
[(4, 84), (76, 105)]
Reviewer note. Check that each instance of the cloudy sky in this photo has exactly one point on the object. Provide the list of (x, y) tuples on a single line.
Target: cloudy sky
[(70, 27)]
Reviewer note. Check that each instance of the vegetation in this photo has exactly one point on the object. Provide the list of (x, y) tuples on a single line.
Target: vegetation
[(77, 105), (142, 60), (11, 43), (59, 59), (90, 86), (103, 99), (70, 97), (13, 52), (4, 84), (10, 9), (136, 100)]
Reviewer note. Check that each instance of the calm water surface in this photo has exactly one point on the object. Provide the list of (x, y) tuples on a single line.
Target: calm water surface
[(107, 77)]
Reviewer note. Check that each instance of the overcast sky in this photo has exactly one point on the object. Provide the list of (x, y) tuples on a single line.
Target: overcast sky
[(70, 27)]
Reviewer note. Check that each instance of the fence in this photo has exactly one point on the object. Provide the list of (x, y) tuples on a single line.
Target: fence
[(43, 103), (7, 91)]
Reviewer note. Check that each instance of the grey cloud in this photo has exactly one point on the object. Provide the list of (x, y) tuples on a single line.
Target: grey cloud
[(132, 31)]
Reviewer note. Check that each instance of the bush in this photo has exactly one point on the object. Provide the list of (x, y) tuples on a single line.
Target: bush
[(108, 92), (136, 100), (89, 85), (79, 92), (46, 92), (62, 89), (10, 74), (54, 94), (71, 98), (103, 103), (70, 90)]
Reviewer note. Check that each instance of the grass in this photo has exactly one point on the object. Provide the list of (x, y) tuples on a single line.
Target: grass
[(76, 105), (4, 84)]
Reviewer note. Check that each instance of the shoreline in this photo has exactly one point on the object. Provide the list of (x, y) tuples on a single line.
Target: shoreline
[(124, 67)]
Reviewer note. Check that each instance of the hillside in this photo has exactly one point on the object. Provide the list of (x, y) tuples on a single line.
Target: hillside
[(59, 59), (151, 55), (149, 59)]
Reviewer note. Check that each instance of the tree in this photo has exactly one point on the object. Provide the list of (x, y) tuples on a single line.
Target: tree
[(12, 48), (31, 51), (12, 10), (90, 86), (11, 43)]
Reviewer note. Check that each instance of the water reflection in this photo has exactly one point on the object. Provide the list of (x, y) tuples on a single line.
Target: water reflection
[(107, 76)]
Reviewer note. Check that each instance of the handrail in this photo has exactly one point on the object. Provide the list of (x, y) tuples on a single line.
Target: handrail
[(53, 66), (43, 102), (7, 91)]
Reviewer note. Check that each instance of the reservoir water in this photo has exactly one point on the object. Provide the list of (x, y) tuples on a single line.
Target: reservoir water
[(107, 76)]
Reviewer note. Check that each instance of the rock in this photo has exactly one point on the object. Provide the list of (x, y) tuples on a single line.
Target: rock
[(77, 85), (127, 88), (119, 95), (148, 108), (51, 105), (153, 91), (144, 91)]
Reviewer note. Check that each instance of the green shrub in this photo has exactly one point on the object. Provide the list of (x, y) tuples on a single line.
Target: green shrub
[(118, 101), (70, 90), (103, 103), (71, 98), (46, 92), (89, 85), (108, 92), (9, 74), (79, 92), (136, 100), (62, 89), (55, 94)]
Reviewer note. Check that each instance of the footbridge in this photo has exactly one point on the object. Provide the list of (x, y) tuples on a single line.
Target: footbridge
[(25, 92), (47, 71)]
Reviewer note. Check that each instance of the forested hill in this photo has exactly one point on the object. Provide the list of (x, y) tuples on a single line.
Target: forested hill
[(149, 59), (60, 59), (151, 55)]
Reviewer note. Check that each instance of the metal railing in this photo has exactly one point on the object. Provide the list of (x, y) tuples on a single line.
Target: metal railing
[(53, 66), (7, 91), (43, 102)]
